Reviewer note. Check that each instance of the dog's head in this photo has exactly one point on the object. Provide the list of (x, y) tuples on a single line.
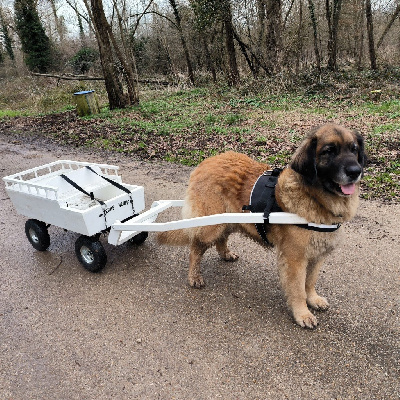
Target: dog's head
[(333, 157)]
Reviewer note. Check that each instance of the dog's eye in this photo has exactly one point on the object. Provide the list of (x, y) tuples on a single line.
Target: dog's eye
[(354, 148), (328, 150)]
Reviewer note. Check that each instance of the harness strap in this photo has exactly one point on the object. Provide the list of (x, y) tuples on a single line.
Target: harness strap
[(319, 227)]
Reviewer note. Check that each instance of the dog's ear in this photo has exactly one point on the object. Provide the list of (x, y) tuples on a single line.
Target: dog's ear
[(304, 159), (362, 158)]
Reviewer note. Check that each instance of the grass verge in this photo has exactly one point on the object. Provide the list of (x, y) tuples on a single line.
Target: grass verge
[(188, 125)]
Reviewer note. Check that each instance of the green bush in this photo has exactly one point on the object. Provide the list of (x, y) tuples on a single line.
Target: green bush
[(83, 60)]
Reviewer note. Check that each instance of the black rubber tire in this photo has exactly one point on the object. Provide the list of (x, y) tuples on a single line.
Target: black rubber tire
[(37, 234), (139, 238), (90, 253)]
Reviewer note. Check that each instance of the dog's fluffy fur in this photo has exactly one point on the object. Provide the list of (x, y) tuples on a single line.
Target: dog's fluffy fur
[(321, 184)]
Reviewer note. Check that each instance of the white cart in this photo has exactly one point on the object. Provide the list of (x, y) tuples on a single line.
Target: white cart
[(90, 199)]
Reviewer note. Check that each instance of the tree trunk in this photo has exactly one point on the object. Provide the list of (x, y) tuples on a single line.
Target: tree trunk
[(116, 96), (299, 46), (128, 72), (360, 54), (332, 17), (370, 31), (260, 39), (183, 40), (107, 48), (233, 71), (126, 58), (274, 32), (209, 61), (244, 52), (315, 34), (8, 44)]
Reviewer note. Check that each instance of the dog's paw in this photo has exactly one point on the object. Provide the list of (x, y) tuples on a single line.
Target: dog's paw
[(196, 281), (306, 320), (228, 256), (318, 303)]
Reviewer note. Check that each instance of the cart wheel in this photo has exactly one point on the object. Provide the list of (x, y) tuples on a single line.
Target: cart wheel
[(37, 234), (139, 238), (90, 253)]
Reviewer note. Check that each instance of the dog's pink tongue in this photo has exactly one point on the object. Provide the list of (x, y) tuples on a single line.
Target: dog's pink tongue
[(348, 189)]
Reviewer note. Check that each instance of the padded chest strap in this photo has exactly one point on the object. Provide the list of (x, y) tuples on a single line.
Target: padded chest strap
[(262, 199)]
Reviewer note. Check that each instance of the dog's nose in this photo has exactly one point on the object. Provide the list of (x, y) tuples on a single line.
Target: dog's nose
[(353, 171)]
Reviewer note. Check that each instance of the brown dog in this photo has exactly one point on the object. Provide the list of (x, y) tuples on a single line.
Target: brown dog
[(321, 184)]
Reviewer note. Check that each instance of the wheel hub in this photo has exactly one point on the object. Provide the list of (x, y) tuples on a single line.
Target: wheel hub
[(87, 254), (33, 236)]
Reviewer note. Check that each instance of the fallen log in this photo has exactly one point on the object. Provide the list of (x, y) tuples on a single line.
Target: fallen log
[(70, 77)]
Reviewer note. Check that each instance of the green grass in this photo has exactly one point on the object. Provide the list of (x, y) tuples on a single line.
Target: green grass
[(386, 128), (281, 158), (12, 114), (389, 108)]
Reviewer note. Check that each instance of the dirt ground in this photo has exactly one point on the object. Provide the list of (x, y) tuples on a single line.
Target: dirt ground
[(137, 331)]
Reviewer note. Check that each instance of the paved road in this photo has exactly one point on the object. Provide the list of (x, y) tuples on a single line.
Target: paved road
[(137, 331)]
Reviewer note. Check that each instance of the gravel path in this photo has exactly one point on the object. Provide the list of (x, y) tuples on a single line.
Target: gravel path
[(137, 331)]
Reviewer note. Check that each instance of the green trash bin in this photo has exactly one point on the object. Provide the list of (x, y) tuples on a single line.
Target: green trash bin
[(86, 103)]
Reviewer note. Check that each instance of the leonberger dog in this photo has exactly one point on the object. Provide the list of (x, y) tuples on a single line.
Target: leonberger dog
[(320, 184)]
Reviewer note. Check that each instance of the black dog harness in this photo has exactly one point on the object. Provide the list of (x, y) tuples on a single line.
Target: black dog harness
[(262, 199)]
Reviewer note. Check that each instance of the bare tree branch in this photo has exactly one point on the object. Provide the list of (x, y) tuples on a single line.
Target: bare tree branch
[(389, 25), (140, 16)]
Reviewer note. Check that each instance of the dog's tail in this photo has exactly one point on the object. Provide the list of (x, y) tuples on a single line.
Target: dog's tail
[(179, 237)]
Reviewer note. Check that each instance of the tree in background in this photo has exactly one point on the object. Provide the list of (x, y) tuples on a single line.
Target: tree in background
[(370, 31), (219, 15), (110, 54), (4, 32), (227, 39), (178, 22), (273, 15), (332, 18), (35, 43), (83, 60), (393, 18), (226, 17), (314, 23)]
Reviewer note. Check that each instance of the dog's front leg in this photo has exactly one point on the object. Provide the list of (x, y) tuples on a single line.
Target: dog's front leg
[(314, 300), (293, 272)]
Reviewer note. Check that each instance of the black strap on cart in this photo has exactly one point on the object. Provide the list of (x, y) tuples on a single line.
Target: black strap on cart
[(76, 186), (91, 195), (116, 184)]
